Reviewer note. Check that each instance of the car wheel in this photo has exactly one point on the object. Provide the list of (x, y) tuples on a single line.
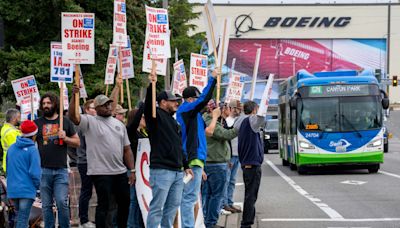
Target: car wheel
[(373, 168)]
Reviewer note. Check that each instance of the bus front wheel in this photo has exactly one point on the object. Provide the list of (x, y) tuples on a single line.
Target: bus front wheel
[(292, 166), (302, 170), (373, 168)]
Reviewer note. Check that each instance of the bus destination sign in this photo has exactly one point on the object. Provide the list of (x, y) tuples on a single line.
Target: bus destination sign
[(339, 90)]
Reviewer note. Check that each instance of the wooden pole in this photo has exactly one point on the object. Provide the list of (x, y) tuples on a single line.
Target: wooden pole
[(77, 83), (255, 73), (61, 114), (84, 100), (107, 90), (210, 25), (221, 51), (120, 75), (153, 89), (128, 93)]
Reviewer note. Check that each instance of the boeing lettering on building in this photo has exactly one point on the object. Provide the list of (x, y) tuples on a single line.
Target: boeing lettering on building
[(311, 22)]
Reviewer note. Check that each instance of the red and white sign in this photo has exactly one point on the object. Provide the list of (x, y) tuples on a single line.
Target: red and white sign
[(262, 111), (119, 32), (77, 32), (111, 65), (235, 88), (161, 64), (59, 71), (23, 88), (180, 80), (157, 33), (143, 189), (198, 71), (127, 62)]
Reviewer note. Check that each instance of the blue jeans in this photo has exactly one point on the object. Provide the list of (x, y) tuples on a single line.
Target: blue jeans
[(54, 184), (23, 207), (189, 198), (213, 192), (166, 187), (231, 181), (135, 219)]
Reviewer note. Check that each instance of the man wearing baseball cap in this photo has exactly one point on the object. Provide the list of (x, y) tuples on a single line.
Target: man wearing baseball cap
[(108, 155), (167, 160), (194, 142), (23, 173), (120, 113)]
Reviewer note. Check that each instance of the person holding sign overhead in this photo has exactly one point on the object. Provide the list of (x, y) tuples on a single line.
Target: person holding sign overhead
[(53, 156), (194, 142), (167, 160)]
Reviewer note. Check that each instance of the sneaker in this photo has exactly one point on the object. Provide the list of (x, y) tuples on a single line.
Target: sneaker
[(89, 225), (225, 212), (236, 209), (230, 209)]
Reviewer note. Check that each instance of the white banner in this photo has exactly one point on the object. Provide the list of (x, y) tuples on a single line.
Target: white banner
[(82, 89), (212, 29), (198, 71), (161, 64), (143, 189), (180, 80), (262, 111), (119, 31), (77, 32), (127, 62), (23, 88), (111, 64), (224, 44), (59, 71), (157, 33), (235, 88)]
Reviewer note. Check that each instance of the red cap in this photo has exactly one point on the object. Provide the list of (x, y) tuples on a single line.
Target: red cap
[(28, 128)]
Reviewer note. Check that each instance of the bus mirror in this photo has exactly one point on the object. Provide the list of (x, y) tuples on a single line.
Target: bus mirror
[(293, 102), (385, 103)]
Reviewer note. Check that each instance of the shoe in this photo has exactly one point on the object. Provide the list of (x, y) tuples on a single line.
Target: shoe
[(236, 208), (89, 225), (228, 208), (225, 212)]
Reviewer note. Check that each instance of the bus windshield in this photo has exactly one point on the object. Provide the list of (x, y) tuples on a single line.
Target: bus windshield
[(337, 114)]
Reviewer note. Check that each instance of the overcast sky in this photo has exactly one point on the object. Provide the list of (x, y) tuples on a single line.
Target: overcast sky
[(294, 1)]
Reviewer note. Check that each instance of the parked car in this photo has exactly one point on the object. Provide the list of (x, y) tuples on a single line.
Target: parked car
[(270, 135)]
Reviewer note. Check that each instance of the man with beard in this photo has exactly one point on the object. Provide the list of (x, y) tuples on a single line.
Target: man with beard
[(167, 160), (108, 156), (53, 155)]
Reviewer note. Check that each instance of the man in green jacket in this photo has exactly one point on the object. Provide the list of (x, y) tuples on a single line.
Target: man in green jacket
[(218, 155)]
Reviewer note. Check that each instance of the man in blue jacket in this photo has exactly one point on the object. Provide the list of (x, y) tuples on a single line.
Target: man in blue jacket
[(194, 143), (23, 173)]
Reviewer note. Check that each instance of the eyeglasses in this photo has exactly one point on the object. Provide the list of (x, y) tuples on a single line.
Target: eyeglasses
[(91, 107)]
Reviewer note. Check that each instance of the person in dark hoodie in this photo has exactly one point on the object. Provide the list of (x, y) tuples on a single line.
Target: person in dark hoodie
[(23, 179), (194, 142)]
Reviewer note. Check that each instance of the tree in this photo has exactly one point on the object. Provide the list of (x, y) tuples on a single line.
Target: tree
[(30, 26)]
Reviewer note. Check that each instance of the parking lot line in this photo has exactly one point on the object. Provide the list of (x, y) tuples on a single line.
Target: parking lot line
[(389, 174)]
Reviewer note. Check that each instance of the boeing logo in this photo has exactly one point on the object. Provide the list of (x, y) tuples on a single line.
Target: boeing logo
[(342, 143), (311, 22)]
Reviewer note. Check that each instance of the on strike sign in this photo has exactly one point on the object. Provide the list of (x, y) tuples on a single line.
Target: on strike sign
[(235, 88), (180, 81), (198, 71), (23, 88), (78, 38), (111, 64), (127, 61), (59, 71), (157, 33), (119, 33)]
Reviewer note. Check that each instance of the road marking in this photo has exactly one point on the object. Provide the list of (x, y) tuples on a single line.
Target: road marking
[(239, 184), (389, 174), (324, 207), (329, 220), (353, 182)]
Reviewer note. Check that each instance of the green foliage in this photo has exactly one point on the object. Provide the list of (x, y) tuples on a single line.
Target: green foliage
[(30, 26)]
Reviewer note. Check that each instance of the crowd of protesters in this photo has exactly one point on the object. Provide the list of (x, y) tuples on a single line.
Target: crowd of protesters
[(192, 138)]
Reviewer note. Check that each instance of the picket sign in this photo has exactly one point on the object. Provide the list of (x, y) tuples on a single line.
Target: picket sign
[(198, 71), (26, 93), (143, 188), (262, 111), (179, 82), (255, 73), (59, 71), (119, 24)]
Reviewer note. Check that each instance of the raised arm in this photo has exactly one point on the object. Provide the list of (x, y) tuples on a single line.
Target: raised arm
[(73, 116), (115, 93), (216, 113)]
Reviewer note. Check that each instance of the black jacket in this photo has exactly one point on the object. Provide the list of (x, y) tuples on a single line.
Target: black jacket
[(165, 139)]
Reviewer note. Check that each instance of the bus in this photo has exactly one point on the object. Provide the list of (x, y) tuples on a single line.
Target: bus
[(331, 118)]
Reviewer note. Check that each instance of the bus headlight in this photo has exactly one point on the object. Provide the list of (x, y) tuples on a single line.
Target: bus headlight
[(375, 143), (267, 136), (306, 145)]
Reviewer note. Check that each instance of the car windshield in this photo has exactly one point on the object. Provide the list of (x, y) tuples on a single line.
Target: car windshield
[(272, 125), (336, 114)]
